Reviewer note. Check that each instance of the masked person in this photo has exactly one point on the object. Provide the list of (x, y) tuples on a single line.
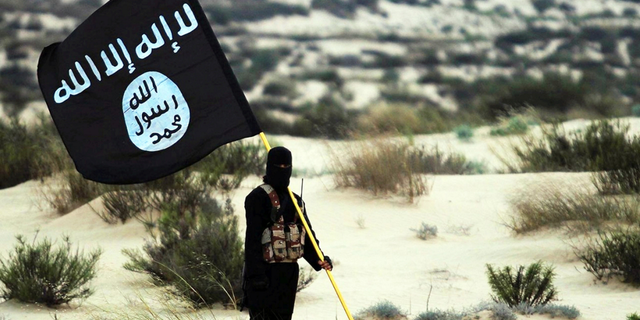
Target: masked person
[(275, 240)]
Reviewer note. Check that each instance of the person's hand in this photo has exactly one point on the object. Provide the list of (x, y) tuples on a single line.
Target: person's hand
[(259, 283), (326, 264)]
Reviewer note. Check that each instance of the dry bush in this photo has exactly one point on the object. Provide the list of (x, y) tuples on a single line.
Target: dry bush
[(69, 190), (390, 118), (548, 205), (380, 166)]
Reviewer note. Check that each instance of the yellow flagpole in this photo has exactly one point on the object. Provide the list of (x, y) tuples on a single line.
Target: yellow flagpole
[(310, 235)]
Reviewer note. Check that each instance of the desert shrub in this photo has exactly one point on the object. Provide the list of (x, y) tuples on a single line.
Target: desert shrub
[(306, 278), (555, 310), (501, 311), (613, 253), (329, 118), (390, 118), (197, 250), (633, 316), (513, 124), (435, 161), (463, 132), (382, 310), (123, 204), (532, 285), (602, 146), (227, 166), (32, 152), (426, 231), (554, 93), (70, 191), (380, 167), (280, 87), (441, 315), (43, 273), (554, 206)]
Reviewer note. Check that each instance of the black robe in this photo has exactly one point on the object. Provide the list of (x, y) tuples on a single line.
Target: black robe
[(283, 277)]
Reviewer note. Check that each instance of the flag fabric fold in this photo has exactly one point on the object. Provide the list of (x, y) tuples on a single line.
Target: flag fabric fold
[(142, 89)]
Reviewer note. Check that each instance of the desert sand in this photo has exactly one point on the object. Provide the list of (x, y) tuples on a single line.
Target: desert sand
[(382, 261)]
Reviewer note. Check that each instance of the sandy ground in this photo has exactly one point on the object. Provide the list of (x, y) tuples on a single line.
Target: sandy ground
[(382, 261)]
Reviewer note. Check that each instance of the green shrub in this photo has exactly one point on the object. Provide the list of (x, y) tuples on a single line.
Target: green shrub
[(603, 146), (463, 132), (436, 162), (123, 204), (28, 153), (516, 124), (382, 310), (614, 253), (198, 250), (532, 285), (541, 206), (41, 273), (633, 316), (426, 231), (380, 167)]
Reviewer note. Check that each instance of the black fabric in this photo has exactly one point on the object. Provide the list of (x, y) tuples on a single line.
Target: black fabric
[(280, 295), (266, 314), (142, 89), (276, 176)]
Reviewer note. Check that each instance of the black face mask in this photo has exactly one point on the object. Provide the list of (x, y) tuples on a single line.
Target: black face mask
[(276, 176)]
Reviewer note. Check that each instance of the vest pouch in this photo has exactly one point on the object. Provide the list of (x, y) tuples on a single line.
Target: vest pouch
[(278, 242), (267, 248), (295, 241)]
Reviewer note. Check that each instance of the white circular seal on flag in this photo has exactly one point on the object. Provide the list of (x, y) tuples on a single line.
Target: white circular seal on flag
[(155, 112)]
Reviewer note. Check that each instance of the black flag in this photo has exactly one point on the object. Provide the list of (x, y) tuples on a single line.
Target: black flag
[(142, 89)]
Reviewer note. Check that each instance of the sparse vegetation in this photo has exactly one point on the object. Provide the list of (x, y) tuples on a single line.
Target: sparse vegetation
[(464, 132), (43, 273), (613, 253), (197, 250), (532, 285), (542, 206), (379, 167), (602, 146), (426, 231), (28, 153), (384, 310)]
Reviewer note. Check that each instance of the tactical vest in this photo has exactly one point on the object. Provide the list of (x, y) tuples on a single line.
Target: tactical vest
[(281, 242)]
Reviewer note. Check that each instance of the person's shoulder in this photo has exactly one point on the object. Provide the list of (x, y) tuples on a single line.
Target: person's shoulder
[(257, 192)]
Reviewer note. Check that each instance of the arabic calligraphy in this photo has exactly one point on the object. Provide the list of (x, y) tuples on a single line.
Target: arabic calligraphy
[(114, 58), (155, 111)]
